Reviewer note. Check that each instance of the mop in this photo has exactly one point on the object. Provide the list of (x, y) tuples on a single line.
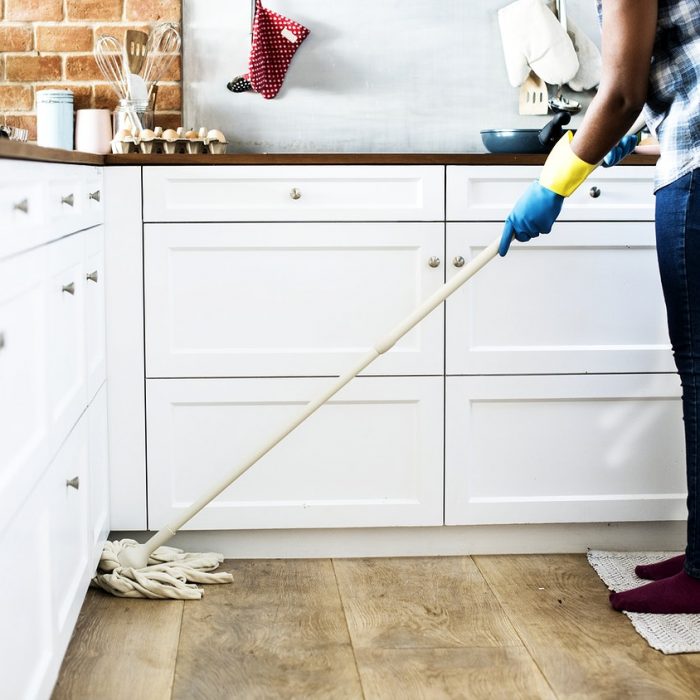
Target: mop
[(150, 570)]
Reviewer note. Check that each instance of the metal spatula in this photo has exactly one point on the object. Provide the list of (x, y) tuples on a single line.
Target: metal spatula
[(533, 96), (135, 47)]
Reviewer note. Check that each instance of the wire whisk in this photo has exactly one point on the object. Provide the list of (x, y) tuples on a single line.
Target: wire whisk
[(162, 48)]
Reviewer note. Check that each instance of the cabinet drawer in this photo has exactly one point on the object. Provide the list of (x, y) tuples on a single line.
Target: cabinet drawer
[(293, 193), (564, 449), (22, 217), (66, 322), (370, 457), (585, 298), (488, 193), (24, 432), (288, 299)]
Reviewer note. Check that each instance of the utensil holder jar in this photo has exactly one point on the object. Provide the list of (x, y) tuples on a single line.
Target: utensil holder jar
[(122, 115)]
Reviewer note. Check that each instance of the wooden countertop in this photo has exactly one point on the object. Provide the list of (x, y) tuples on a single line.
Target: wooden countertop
[(28, 151)]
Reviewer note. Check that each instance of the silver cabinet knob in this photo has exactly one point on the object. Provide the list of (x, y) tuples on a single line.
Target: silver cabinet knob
[(94, 195), (458, 261), (594, 192), (434, 262), (295, 193), (74, 483), (2, 340), (69, 288), (92, 276), (68, 199), (22, 206)]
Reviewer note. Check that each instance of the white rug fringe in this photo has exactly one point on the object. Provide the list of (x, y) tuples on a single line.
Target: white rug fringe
[(670, 634), (171, 573)]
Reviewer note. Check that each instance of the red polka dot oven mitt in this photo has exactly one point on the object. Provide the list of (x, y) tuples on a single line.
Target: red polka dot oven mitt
[(275, 41)]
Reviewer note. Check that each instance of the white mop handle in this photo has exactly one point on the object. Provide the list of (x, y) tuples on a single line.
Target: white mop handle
[(381, 347)]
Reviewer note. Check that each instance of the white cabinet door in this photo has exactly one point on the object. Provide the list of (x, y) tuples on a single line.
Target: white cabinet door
[(27, 646), (68, 488), (24, 429), (294, 193), (487, 193), (585, 298), (289, 299), (99, 474), (371, 457), (564, 449), (66, 337), (94, 309)]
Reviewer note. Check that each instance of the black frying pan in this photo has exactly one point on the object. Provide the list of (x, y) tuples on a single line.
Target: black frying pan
[(526, 140)]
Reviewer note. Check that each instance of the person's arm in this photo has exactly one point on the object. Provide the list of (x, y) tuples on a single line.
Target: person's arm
[(628, 33)]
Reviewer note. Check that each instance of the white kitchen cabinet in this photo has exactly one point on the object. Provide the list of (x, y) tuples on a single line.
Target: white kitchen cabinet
[(54, 502), (294, 193), (477, 193), (585, 298), (577, 448), (289, 299), (24, 425), (371, 457), (66, 346), (94, 291)]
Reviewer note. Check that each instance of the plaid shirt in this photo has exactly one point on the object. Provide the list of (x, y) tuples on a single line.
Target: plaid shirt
[(672, 110)]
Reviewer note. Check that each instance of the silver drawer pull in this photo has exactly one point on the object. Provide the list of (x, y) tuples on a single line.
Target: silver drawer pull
[(434, 262), (458, 261), (295, 193), (69, 288), (22, 206), (74, 483), (94, 195), (68, 199), (594, 192), (92, 276), (2, 340)]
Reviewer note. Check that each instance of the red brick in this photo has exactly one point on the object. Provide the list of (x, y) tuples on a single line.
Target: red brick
[(82, 68), (34, 10), (62, 38), (153, 10), (82, 94), (104, 97), (2, 67), (16, 97), (16, 38), (169, 98), (23, 121), (95, 10), (29, 68), (168, 120)]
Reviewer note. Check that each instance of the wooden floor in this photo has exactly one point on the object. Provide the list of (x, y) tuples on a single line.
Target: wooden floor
[(444, 627)]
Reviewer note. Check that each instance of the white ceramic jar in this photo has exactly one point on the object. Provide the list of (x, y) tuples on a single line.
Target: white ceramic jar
[(54, 119)]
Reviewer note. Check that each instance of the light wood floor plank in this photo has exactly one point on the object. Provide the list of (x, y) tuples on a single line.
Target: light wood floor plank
[(585, 649), (430, 602), (476, 673), (277, 632), (121, 649)]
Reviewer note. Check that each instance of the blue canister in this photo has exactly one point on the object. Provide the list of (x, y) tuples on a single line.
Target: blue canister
[(54, 119)]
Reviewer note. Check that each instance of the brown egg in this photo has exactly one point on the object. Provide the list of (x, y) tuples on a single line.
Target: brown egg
[(170, 135), (191, 134), (216, 135)]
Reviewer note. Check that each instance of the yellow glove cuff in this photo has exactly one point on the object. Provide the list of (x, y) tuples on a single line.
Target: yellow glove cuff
[(563, 170)]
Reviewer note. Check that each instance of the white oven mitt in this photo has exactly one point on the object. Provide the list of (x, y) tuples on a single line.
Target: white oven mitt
[(534, 40), (589, 59)]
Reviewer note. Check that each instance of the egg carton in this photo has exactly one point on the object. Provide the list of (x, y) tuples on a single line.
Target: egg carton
[(157, 141)]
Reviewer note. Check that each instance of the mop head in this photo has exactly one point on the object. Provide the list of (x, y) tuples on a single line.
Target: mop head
[(171, 573)]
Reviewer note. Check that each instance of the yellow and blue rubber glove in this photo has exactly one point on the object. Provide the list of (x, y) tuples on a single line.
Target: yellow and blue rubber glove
[(537, 210)]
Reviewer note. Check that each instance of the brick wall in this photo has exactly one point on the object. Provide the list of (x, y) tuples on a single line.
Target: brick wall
[(48, 44)]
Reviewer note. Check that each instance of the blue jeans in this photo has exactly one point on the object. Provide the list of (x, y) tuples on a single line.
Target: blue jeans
[(678, 248)]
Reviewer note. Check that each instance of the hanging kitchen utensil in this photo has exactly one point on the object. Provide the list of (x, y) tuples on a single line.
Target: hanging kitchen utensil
[(533, 98), (275, 40)]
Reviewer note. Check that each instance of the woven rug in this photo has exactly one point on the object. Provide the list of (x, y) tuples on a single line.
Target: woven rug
[(670, 634)]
